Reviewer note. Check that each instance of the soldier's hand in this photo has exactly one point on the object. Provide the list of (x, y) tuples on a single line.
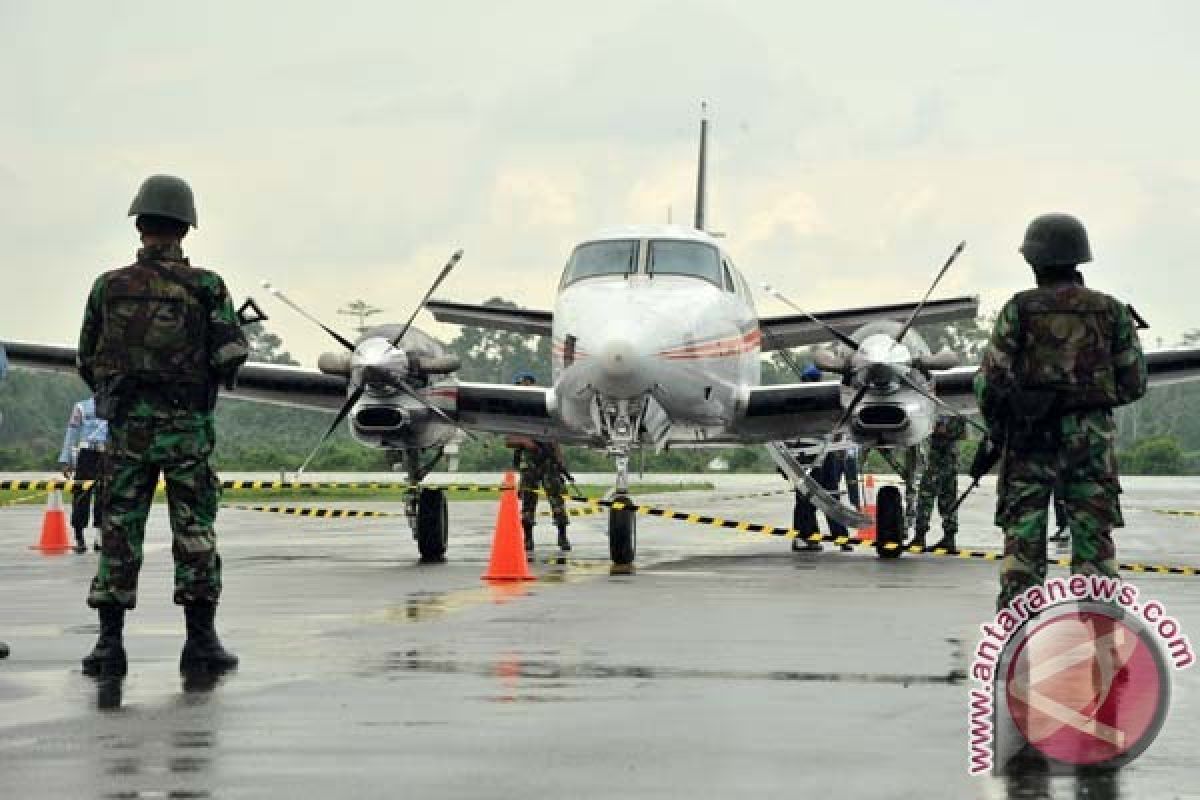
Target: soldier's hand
[(67, 471)]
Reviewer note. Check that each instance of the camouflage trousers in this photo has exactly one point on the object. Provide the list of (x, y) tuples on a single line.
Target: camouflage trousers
[(1082, 470), (541, 475), (178, 448), (940, 482)]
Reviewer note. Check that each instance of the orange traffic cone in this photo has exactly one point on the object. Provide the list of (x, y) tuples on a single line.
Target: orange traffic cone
[(54, 526), (508, 543), (867, 534)]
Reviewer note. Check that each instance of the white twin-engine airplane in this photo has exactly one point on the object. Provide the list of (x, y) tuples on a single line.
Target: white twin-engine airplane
[(656, 343)]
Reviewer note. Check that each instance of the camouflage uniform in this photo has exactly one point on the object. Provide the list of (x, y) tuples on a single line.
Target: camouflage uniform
[(1079, 348), (540, 469), (940, 479), (158, 337)]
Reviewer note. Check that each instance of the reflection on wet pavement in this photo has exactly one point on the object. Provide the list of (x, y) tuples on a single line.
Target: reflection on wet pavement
[(187, 757), (514, 667)]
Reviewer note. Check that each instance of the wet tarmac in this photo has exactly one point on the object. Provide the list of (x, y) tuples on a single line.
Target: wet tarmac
[(727, 666)]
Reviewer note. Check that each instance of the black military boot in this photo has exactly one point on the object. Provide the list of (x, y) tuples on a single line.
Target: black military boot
[(528, 528), (918, 540), (108, 656), (945, 543), (202, 652), (80, 542), (564, 543)]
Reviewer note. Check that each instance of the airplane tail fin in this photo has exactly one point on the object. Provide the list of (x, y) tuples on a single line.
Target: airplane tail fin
[(702, 170)]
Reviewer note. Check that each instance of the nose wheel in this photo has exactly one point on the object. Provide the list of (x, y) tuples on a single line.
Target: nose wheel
[(622, 533)]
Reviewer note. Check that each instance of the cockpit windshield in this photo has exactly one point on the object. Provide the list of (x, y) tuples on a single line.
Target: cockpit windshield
[(610, 257), (675, 257)]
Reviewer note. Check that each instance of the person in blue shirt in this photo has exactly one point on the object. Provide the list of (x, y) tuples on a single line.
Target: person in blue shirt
[(82, 456)]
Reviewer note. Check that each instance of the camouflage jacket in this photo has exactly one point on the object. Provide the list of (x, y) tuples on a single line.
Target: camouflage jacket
[(949, 428), (1078, 343), (160, 323)]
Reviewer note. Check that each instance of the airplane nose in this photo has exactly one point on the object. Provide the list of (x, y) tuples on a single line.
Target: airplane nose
[(618, 358), (621, 366)]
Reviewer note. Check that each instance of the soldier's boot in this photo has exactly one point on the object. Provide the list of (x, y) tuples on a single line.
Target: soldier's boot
[(918, 540), (80, 542), (3, 650), (528, 528), (945, 543), (108, 656), (564, 543), (203, 651)]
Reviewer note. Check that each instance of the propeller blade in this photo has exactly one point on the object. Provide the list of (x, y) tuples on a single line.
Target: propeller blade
[(341, 415), (454, 259), (437, 411), (281, 297), (917, 311), (834, 332), (942, 403)]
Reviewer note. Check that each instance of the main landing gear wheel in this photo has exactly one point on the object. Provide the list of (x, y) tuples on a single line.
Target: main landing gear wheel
[(622, 534), (433, 526), (889, 525)]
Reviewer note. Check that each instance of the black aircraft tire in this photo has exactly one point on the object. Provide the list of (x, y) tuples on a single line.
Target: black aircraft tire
[(433, 526), (622, 536), (889, 521)]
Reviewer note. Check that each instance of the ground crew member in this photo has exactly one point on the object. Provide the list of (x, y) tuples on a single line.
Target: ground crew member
[(940, 481), (1060, 358), (3, 372), (542, 467), (82, 459), (158, 339), (829, 475)]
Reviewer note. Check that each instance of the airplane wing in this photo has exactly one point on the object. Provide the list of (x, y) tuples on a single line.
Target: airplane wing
[(788, 410), (796, 330), (490, 408), (955, 386), (503, 409), (517, 320), (266, 383)]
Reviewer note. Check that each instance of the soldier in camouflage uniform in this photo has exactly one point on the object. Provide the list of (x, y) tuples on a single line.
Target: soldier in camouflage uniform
[(940, 481), (1060, 358), (158, 338), (541, 467)]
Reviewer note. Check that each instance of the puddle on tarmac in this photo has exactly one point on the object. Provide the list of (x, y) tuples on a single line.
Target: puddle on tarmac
[(426, 606), (542, 670)]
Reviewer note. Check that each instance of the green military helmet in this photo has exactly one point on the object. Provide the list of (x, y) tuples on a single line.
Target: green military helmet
[(1056, 240), (165, 196)]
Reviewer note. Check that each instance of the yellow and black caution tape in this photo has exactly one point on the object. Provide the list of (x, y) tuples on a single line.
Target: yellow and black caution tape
[(310, 511), (597, 505), (1177, 513)]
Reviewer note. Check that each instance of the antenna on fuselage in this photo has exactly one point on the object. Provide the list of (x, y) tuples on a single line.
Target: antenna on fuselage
[(702, 170)]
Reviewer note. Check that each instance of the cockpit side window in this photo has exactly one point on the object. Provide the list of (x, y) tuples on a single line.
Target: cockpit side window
[(676, 257), (609, 257)]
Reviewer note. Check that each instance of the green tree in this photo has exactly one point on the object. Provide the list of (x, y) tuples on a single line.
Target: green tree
[(1160, 455), (265, 346)]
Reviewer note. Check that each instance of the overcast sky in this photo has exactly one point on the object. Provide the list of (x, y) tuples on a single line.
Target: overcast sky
[(343, 150)]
